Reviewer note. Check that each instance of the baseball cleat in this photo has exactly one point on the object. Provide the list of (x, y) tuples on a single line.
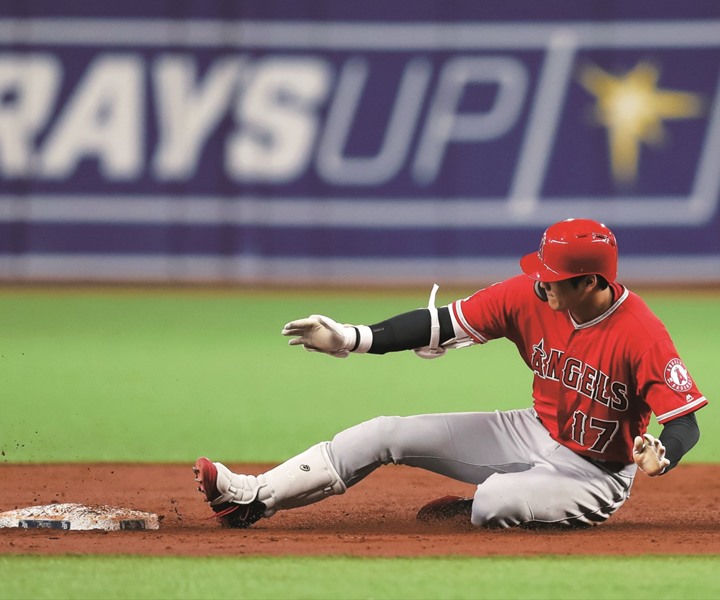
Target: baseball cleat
[(229, 514), (447, 507)]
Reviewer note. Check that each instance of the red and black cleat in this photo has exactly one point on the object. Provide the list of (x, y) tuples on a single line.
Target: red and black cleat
[(229, 514), (445, 508)]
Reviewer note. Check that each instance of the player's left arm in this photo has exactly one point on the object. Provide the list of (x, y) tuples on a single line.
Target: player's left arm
[(658, 456), (666, 386)]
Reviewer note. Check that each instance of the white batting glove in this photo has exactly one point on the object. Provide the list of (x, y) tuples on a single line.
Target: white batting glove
[(649, 455), (321, 334)]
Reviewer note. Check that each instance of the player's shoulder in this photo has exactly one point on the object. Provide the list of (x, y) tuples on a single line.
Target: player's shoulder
[(639, 316), (520, 284), (518, 287)]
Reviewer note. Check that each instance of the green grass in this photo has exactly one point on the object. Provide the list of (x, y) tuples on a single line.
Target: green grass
[(137, 376), (555, 578)]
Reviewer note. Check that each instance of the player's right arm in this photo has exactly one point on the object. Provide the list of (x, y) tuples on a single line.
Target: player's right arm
[(406, 331), (428, 331)]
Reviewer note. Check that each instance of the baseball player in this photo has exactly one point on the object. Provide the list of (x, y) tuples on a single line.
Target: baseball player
[(602, 362)]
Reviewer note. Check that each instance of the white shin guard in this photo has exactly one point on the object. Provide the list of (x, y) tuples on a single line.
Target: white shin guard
[(302, 480)]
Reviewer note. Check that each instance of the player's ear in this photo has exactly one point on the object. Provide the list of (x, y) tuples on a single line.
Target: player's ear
[(591, 280)]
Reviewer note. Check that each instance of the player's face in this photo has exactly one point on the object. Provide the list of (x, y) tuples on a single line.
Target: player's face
[(563, 295)]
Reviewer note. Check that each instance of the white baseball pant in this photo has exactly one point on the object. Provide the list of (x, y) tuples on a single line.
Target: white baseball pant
[(522, 475)]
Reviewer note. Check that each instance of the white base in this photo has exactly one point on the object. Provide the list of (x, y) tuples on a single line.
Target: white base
[(79, 517)]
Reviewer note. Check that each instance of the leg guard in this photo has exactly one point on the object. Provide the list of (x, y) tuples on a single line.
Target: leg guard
[(302, 480)]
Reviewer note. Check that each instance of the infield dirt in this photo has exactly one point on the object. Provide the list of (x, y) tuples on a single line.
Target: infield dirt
[(675, 514)]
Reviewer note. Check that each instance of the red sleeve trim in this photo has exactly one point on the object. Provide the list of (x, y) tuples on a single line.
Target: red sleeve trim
[(464, 325), (683, 410)]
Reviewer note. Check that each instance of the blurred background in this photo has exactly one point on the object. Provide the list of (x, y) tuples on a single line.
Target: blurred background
[(178, 179), (284, 143)]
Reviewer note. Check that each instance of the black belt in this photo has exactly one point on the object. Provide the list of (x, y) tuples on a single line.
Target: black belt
[(612, 466)]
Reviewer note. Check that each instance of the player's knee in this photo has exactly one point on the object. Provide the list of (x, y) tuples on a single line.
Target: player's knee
[(384, 440), (395, 437), (373, 438), (497, 506), (389, 431)]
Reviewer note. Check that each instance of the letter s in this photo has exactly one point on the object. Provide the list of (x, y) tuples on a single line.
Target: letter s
[(278, 121)]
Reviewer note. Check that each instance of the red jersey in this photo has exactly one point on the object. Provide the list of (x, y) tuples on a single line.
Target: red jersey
[(595, 383)]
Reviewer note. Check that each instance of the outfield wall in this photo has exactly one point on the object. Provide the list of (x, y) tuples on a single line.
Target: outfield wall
[(391, 142)]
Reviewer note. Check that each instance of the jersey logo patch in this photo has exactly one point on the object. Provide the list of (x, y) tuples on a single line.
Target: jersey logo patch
[(677, 377)]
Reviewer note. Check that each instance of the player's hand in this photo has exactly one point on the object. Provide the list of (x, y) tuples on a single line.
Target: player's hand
[(649, 455), (321, 334)]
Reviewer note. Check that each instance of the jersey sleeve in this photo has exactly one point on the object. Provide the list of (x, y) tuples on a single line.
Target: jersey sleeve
[(487, 314), (665, 383)]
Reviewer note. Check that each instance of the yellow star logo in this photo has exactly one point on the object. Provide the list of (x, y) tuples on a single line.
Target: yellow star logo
[(633, 109)]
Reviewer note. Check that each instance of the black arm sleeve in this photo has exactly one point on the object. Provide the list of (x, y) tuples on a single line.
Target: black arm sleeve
[(409, 330), (679, 436)]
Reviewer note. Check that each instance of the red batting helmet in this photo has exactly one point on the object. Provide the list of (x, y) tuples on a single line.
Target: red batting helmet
[(573, 247)]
